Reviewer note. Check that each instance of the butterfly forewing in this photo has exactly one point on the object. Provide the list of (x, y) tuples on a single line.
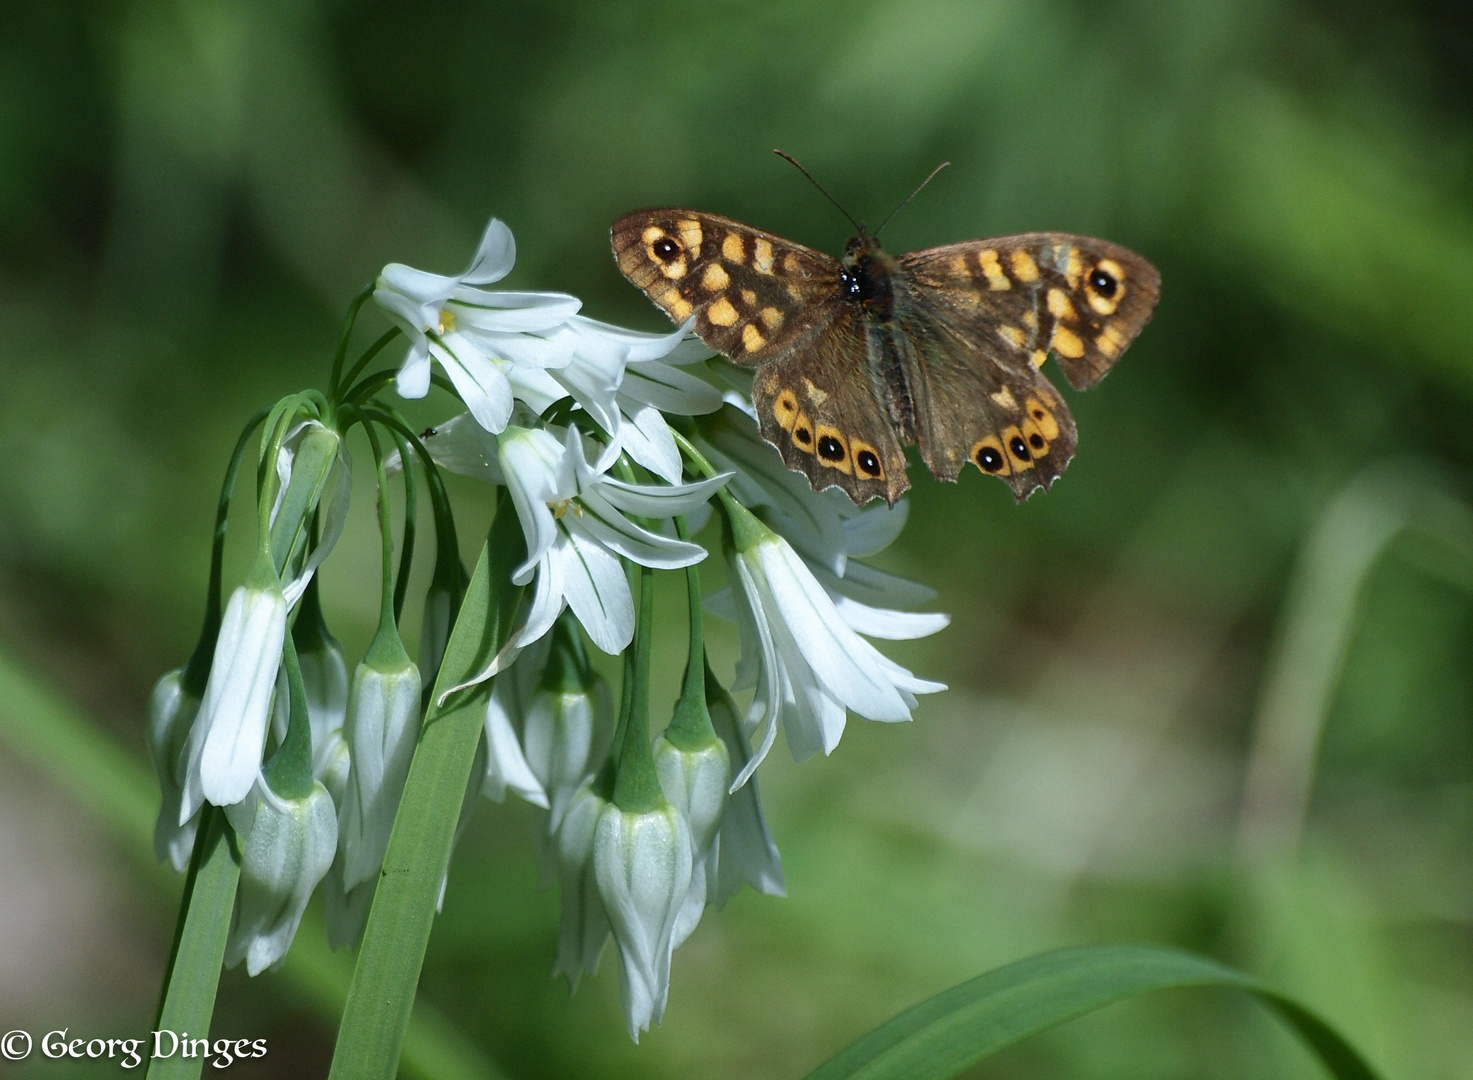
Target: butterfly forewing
[(754, 296), (1073, 297)]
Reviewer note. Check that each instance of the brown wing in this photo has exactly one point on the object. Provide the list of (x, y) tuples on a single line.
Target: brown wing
[(817, 406), (755, 296), (1081, 299), (977, 321)]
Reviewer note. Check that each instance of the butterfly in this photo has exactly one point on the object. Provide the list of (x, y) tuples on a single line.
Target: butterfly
[(942, 348)]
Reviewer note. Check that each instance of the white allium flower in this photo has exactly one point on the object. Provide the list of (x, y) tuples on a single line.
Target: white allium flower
[(229, 733), (813, 667), (381, 729), (642, 862), (506, 764), (286, 847), (493, 345), (695, 781), (171, 711), (746, 853), (573, 515), (583, 926)]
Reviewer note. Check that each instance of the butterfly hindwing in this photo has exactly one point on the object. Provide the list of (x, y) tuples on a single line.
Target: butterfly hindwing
[(754, 296), (818, 408)]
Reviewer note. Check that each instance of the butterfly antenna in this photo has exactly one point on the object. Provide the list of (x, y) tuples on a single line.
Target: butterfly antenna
[(794, 161), (913, 194)]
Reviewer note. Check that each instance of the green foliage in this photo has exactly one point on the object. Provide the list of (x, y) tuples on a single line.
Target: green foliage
[(191, 194)]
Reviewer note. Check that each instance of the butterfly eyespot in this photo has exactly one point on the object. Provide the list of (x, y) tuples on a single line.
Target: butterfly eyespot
[(803, 433), (833, 448), (1037, 441), (1103, 282), (868, 463), (1041, 416), (1019, 448), (989, 457), (665, 249)]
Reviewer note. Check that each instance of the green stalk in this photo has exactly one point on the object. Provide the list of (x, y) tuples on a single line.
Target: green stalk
[(690, 727), (637, 784), (342, 350), (199, 947), (387, 973)]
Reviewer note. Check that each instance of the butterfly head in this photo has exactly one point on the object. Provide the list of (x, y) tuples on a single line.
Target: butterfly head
[(866, 271)]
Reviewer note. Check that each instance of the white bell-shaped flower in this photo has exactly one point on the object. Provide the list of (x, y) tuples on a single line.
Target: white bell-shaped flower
[(642, 861), (382, 728), (286, 847), (171, 711), (695, 780), (229, 733), (583, 924)]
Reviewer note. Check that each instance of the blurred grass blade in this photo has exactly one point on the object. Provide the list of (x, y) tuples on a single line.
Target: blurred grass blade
[(117, 788), (1355, 530), (942, 1036), (387, 974)]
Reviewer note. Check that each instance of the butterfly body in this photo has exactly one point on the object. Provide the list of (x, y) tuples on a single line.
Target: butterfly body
[(857, 356)]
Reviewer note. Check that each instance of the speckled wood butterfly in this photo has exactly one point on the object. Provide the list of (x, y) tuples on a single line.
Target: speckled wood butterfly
[(940, 347)]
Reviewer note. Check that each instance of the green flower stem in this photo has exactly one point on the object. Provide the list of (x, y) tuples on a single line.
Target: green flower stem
[(197, 671), (636, 783), (289, 772), (447, 546), (342, 350), (411, 515), (690, 728), (363, 361), (695, 457), (946, 1034), (199, 943), (389, 961), (386, 618)]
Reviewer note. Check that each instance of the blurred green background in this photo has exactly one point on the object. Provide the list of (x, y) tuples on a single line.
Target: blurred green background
[(1212, 691)]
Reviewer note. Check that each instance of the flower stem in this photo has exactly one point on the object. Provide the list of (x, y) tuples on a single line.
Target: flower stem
[(362, 362), (637, 784), (289, 772), (342, 349), (690, 726), (197, 671), (389, 962), (411, 515), (386, 618), (199, 943)]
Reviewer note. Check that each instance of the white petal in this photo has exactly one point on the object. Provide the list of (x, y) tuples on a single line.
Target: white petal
[(494, 256), (670, 389), (646, 437), (597, 591), (463, 446), (506, 764), (483, 311), (480, 384), (413, 380), (613, 530), (886, 623), (655, 500)]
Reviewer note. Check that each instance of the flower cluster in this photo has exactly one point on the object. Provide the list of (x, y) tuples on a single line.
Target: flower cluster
[(612, 449)]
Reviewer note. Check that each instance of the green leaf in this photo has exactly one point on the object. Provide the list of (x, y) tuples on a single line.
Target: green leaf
[(387, 974), (945, 1034)]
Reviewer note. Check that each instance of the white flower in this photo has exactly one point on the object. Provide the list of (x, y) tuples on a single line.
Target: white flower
[(746, 853), (171, 711), (695, 780), (230, 731), (286, 847), (573, 517), (494, 345), (813, 665), (583, 924), (642, 862), (382, 728)]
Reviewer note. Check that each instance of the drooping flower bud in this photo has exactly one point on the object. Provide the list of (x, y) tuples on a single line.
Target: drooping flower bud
[(382, 728), (171, 711), (583, 926), (695, 781), (229, 733), (286, 847), (642, 862)]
